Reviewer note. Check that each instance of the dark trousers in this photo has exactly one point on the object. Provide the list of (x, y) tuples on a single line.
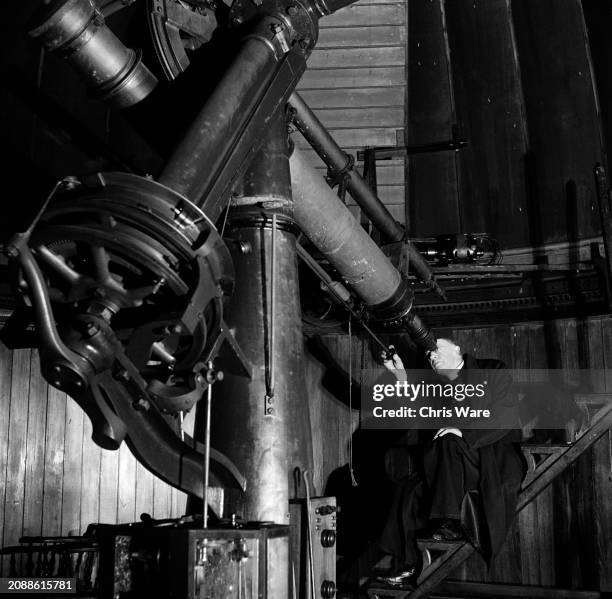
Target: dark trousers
[(451, 470)]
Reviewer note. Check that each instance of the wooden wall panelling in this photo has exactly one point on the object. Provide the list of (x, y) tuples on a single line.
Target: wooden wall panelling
[(161, 498), (528, 517), (561, 108), (539, 528), (340, 37), (574, 504), (344, 416), (565, 502), (144, 491), (554, 338), (585, 566), (357, 137), (337, 410), (566, 564), (178, 503), (54, 462), (5, 405), (108, 487), (572, 354), (126, 491), (602, 476), (351, 98), (90, 478), (313, 370), (602, 511), (465, 339), (325, 419), (433, 202), (17, 444), (363, 14), (35, 450), (355, 83), (489, 108), (535, 542), (593, 331), (506, 566), (484, 346), (359, 57), (73, 460), (376, 117), (503, 344), (352, 78)]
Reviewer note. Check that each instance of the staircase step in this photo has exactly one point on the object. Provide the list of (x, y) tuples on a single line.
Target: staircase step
[(380, 591), (434, 545), (543, 448), (599, 399)]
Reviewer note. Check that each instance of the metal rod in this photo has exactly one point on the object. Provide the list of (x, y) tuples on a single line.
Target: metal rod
[(320, 272), (273, 307), (337, 160), (207, 451), (310, 546), (387, 152), (328, 282)]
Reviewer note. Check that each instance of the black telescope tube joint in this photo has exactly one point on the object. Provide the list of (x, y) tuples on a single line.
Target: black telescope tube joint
[(397, 313)]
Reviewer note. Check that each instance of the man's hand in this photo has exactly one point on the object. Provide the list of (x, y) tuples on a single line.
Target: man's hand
[(390, 359), (448, 430)]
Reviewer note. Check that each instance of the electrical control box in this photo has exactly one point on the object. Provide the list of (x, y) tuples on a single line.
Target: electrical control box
[(319, 532)]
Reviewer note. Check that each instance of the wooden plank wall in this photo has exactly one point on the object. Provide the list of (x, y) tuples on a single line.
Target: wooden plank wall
[(562, 110), (53, 479), (433, 198), (514, 77), (564, 537), (356, 84)]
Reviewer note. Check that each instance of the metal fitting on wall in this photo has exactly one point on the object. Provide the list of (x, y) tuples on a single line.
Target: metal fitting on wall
[(75, 30)]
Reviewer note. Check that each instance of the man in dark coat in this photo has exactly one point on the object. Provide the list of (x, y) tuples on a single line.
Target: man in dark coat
[(471, 478)]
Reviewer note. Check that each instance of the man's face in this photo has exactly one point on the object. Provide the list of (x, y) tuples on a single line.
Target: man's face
[(446, 360)]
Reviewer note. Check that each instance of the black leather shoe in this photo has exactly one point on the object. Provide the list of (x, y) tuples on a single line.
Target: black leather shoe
[(448, 530), (401, 577)]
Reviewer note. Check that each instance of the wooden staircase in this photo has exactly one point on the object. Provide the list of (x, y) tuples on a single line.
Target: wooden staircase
[(545, 463)]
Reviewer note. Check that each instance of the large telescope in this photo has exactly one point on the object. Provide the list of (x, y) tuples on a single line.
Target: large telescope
[(129, 281)]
